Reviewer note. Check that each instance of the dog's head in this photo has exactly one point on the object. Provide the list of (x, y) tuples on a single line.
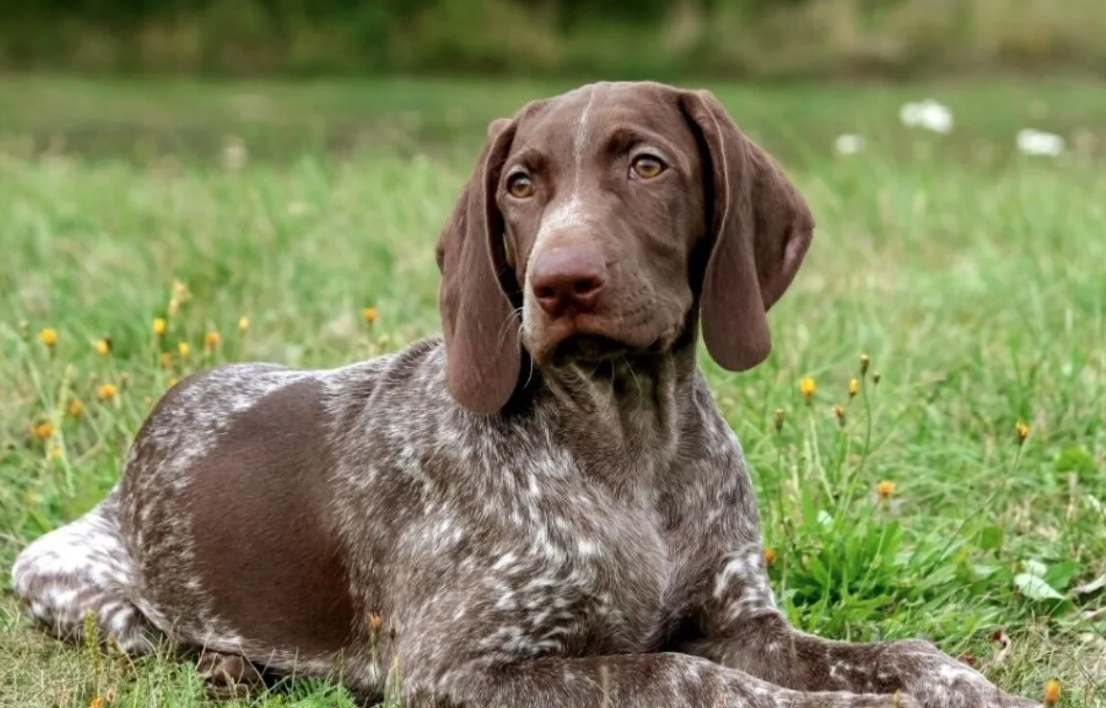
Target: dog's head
[(596, 223)]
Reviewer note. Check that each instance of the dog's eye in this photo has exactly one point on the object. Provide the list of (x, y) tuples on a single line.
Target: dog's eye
[(520, 185), (646, 167)]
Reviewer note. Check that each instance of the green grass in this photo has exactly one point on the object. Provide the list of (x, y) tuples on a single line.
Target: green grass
[(971, 276)]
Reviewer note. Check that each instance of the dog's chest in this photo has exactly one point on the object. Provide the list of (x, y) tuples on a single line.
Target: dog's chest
[(578, 571)]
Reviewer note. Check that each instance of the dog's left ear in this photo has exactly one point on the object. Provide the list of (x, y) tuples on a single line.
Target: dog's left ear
[(761, 229), (479, 321)]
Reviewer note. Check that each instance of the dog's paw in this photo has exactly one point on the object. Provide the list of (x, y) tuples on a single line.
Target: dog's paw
[(228, 676)]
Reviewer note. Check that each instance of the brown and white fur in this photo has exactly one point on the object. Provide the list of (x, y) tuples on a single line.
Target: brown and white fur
[(545, 508)]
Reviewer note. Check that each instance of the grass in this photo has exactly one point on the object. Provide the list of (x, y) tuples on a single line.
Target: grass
[(969, 275)]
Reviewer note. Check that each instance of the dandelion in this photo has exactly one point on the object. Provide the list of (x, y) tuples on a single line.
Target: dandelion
[(849, 144), (160, 326), (769, 556), (75, 408), (106, 392), (1037, 142), (96, 702), (1022, 431), (243, 323), (779, 417), (102, 346), (1052, 692), (807, 387), (184, 349), (171, 382), (44, 430), (865, 362), (928, 114), (211, 340), (839, 413), (885, 489), (854, 387), (49, 337), (369, 313), (55, 452)]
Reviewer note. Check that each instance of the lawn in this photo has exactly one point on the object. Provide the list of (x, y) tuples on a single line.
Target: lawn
[(260, 220)]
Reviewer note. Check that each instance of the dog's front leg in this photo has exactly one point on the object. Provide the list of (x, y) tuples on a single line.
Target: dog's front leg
[(741, 628), (626, 681)]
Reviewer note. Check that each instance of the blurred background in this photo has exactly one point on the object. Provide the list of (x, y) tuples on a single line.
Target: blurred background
[(628, 38), (143, 78)]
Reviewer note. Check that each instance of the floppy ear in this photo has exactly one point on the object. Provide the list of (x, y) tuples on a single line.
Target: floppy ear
[(760, 231), (479, 320)]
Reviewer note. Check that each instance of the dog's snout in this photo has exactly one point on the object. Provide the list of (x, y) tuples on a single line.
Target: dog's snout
[(568, 280)]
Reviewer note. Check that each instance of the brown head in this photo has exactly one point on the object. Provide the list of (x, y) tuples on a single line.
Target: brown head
[(599, 223)]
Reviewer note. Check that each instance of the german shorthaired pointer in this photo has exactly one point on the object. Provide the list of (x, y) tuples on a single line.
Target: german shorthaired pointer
[(544, 509)]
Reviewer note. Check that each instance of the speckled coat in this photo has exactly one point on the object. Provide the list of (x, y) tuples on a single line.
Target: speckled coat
[(540, 509)]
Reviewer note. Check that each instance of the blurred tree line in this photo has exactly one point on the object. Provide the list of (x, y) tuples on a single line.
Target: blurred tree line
[(623, 38)]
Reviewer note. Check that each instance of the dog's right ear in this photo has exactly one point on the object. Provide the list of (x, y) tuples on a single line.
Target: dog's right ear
[(479, 293)]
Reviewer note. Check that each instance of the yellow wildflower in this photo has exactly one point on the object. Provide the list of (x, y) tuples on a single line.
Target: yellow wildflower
[(107, 391), (184, 349), (885, 489), (174, 307), (55, 452), (839, 413), (807, 387), (375, 623), (102, 346), (49, 337), (770, 556), (166, 360), (875, 378), (243, 323), (96, 702), (44, 430), (369, 313), (211, 340), (1022, 431), (171, 382), (865, 361), (76, 408), (160, 326), (854, 387), (1052, 692)]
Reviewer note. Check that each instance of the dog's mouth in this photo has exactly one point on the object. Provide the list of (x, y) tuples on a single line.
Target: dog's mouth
[(584, 345), (594, 348)]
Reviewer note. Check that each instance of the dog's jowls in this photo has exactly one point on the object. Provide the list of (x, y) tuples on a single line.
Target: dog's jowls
[(543, 509)]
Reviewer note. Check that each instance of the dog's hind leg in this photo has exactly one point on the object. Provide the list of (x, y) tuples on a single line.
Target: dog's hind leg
[(81, 568)]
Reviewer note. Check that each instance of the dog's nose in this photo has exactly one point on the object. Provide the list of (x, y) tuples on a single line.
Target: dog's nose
[(568, 280)]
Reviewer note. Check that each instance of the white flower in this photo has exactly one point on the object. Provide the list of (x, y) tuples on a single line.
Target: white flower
[(849, 144), (928, 114), (1037, 142), (235, 154)]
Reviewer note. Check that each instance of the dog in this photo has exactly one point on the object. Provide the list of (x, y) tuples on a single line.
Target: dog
[(544, 507)]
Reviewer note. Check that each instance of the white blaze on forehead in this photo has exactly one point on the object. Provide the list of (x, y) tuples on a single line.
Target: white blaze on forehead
[(569, 212)]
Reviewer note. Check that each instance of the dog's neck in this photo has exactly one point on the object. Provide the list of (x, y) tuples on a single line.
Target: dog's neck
[(625, 413)]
